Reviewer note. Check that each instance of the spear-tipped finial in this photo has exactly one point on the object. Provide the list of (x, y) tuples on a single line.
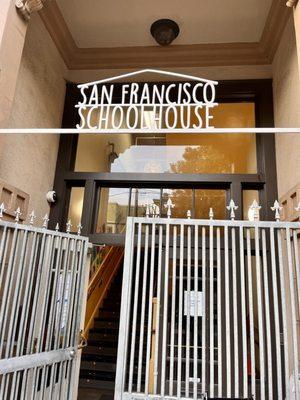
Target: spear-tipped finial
[(189, 214), (68, 226), (17, 214), (45, 221), (297, 208), (2, 210), (255, 207), (79, 227), (57, 227), (232, 208), (157, 211), (169, 205), (147, 210), (32, 217), (277, 208), (211, 213)]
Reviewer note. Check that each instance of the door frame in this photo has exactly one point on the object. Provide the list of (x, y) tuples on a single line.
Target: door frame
[(265, 180)]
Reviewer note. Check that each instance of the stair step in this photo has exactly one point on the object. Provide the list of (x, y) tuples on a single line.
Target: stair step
[(99, 375), (98, 350), (98, 358), (106, 325), (95, 384), (112, 301), (100, 343), (108, 314), (114, 297), (99, 330), (103, 337), (106, 336), (109, 306), (98, 366), (115, 287)]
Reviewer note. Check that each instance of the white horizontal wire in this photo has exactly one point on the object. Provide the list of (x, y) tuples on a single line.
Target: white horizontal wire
[(58, 131)]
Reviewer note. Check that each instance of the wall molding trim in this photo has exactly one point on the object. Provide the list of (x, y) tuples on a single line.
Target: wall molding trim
[(195, 55)]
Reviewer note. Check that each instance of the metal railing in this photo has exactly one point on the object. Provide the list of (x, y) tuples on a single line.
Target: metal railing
[(43, 279), (210, 308)]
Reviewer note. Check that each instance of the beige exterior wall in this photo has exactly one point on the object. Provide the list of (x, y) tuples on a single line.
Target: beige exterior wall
[(12, 36), (286, 89), (28, 161)]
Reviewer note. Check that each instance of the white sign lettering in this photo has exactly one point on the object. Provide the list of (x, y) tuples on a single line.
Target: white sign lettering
[(146, 106)]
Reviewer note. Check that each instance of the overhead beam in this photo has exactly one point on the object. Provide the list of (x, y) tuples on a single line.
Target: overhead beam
[(194, 55)]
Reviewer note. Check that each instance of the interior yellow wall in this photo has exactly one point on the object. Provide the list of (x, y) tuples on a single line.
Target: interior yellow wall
[(93, 151), (76, 204)]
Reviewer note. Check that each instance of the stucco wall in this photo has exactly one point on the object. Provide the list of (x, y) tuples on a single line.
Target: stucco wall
[(28, 161), (286, 89)]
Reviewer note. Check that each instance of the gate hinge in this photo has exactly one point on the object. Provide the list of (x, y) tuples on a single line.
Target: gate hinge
[(82, 340)]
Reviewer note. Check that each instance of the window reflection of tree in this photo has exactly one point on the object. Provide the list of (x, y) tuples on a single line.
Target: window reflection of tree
[(200, 159)]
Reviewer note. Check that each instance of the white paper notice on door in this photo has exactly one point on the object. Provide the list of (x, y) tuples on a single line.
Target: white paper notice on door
[(190, 300)]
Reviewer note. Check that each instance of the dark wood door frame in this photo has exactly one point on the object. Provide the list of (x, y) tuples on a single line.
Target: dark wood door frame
[(257, 91)]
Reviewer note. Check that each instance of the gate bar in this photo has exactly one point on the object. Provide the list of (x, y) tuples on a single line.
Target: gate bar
[(196, 315), (293, 311), (13, 364), (251, 313), (227, 315), (172, 339), (267, 314), (142, 317), (243, 306), (135, 305), (203, 327), (150, 309)]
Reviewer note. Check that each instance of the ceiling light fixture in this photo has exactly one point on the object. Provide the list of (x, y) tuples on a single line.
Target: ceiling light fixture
[(164, 31)]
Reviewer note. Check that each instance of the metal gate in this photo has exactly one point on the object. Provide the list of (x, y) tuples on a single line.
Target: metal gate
[(209, 309), (42, 280)]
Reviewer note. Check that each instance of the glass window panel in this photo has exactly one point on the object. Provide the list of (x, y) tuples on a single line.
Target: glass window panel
[(197, 201), (142, 197), (75, 206), (113, 210), (248, 197), (178, 153), (209, 198), (182, 200)]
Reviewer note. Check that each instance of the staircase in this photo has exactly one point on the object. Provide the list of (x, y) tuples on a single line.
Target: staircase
[(98, 362)]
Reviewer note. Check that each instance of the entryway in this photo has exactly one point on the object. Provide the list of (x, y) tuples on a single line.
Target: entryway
[(209, 309)]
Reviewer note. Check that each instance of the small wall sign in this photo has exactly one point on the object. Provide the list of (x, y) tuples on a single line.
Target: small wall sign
[(190, 303), (145, 106)]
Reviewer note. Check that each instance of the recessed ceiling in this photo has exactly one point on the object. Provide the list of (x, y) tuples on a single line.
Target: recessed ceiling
[(125, 23)]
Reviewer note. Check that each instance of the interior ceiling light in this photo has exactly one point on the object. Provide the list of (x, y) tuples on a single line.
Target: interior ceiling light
[(164, 31)]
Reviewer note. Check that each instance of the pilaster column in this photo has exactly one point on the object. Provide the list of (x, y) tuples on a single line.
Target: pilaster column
[(296, 6), (14, 18)]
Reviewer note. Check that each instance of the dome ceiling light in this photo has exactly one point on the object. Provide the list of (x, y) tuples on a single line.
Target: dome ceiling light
[(164, 31)]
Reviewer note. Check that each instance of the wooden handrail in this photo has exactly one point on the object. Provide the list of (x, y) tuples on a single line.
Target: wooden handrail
[(100, 283), (97, 275)]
